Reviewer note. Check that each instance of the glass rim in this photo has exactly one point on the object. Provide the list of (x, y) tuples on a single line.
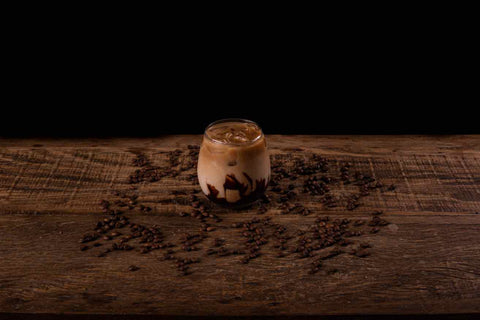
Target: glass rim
[(238, 120)]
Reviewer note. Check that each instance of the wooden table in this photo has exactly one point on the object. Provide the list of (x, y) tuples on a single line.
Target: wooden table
[(427, 260)]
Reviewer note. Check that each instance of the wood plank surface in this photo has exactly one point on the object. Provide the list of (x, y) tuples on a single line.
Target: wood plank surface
[(427, 260)]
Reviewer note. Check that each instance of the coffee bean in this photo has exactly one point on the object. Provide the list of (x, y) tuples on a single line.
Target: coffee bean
[(218, 242), (288, 172), (133, 268), (102, 254), (357, 223), (89, 237), (365, 245), (362, 253)]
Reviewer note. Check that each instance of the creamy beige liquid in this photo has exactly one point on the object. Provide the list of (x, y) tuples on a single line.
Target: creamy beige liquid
[(234, 132), (233, 164)]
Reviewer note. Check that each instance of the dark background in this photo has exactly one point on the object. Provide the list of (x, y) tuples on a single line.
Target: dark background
[(144, 80), (129, 105)]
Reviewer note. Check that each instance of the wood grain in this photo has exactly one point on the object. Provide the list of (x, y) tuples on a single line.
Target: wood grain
[(426, 261)]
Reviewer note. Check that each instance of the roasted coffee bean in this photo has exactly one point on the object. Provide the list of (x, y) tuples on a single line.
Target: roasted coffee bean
[(89, 237), (168, 256), (133, 268), (361, 253), (218, 242), (365, 245), (357, 223), (377, 221), (303, 169), (211, 251)]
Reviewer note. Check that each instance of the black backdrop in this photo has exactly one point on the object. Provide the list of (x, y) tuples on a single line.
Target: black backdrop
[(286, 108), (405, 82), (93, 100)]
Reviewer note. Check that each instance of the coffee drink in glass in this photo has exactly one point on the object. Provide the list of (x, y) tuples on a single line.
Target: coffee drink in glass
[(233, 164)]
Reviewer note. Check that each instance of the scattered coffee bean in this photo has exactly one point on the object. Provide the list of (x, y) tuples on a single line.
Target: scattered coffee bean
[(289, 174), (377, 221), (332, 270), (133, 268), (89, 237), (357, 223), (361, 253), (218, 242), (365, 245)]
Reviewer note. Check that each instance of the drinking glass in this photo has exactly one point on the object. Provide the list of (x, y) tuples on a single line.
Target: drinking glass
[(233, 163)]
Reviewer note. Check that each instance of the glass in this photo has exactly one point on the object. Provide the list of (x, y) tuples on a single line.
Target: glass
[(233, 164)]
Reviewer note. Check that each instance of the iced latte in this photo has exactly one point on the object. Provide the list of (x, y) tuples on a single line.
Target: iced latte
[(233, 164)]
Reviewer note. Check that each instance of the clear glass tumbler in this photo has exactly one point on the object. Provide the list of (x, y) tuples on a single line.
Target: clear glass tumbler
[(233, 164)]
